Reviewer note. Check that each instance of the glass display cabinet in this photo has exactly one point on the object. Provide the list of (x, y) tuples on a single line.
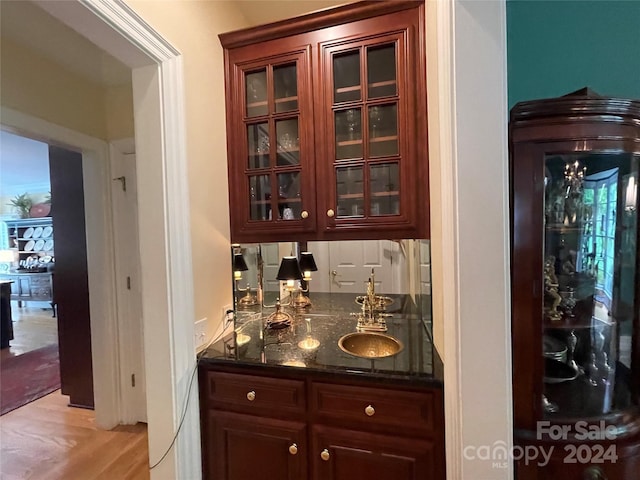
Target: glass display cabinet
[(369, 100), (326, 125), (271, 159), (273, 143), (574, 168), (359, 152)]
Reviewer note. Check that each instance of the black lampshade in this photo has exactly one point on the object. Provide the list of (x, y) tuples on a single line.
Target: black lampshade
[(239, 265), (307, 262), (289, 269)]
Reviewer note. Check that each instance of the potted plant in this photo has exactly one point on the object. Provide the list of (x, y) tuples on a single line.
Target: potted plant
[(22, 203)]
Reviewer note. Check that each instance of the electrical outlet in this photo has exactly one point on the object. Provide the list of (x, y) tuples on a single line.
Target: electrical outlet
[(227, 315), (200, 333)]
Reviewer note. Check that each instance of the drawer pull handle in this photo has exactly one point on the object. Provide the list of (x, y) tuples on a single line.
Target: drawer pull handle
[(330, 213), (304, 214), (325, 455), (251, 396), (293, 449), (370, 411)]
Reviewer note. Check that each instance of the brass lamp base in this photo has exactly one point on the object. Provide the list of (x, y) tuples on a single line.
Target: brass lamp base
[(301, 302), (249, 300), (279, 319)]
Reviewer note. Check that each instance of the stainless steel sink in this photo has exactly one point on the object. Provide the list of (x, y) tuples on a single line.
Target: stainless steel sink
[(370, 345)]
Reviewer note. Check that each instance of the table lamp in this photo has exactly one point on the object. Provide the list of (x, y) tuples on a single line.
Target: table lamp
[(239, 266), (307, 265), (290, 272)]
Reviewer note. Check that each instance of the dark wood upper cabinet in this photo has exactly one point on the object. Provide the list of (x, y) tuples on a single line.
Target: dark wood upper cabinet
[(327, 127), (574, 168)]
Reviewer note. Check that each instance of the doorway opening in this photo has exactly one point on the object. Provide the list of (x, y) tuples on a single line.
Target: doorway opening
[(27, 251), (49, 268)]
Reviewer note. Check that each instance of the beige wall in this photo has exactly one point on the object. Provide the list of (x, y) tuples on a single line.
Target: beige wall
[(119, 112), (193, 27), (34, 85), (434, 61)]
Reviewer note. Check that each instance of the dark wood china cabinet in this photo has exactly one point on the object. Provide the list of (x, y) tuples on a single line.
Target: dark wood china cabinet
[(326, 125), (574, 168)]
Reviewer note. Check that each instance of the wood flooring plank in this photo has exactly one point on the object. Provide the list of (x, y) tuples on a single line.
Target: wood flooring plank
[(47, 440), (32, 328)]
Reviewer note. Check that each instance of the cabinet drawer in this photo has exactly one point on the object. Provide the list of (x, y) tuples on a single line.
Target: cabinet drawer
[(254, 394), (40, 292), (376, 408), (40, 281)]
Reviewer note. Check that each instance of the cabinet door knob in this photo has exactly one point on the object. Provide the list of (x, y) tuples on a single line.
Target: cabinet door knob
[(330, 213), (251, 396), (304, 214), (293, 449), (594, 473), (370, 411), (325, 455)]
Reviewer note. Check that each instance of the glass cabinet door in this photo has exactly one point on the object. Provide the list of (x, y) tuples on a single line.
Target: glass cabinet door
[(327, 127), (589, 280), (367, 101), (274, 165)]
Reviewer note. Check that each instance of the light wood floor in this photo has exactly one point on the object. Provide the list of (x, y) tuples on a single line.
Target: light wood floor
[(47, 440), (33, 328)]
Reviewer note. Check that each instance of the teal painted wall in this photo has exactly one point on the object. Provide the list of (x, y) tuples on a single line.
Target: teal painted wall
[(556, 47)]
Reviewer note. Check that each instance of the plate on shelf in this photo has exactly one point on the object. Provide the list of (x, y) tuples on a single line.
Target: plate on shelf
[(48, 245), (39, 246), (29, 246), (47, 231), (45, 259), (28, 233), (37, 233)]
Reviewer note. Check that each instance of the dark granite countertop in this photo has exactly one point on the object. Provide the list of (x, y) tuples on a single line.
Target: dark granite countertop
[(330, 319)]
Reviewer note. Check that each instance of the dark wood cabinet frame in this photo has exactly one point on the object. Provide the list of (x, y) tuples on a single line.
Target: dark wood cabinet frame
[(582, 122), (308, 39)]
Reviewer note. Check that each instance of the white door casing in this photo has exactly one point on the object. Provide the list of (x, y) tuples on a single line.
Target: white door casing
[(124, 203), (102, 307), (468, 168), (164, 226)]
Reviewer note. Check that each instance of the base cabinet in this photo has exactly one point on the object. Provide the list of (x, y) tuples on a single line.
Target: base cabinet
[(346, 454), (248, 447), (300, 428), (31, 287)]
